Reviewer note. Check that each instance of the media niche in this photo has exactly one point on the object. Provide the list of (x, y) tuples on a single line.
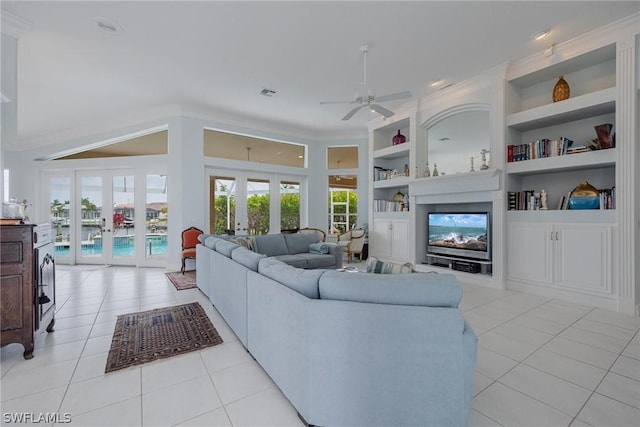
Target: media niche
[(460, 240)]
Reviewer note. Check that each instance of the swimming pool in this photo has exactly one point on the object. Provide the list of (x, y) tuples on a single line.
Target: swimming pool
[(123, 246)]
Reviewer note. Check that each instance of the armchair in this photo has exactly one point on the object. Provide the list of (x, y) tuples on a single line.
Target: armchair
[(189, 242), (353, 242)]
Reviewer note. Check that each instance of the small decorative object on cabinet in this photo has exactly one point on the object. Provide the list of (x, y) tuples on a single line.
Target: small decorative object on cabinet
[(604, 136), (483, 155), (584, 196), (399, 138), (406, 169), (435, 170), (399, 197), (561, 90), (427, 171), (473, 168), (544, 203)]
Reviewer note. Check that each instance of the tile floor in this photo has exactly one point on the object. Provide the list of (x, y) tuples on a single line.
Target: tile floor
[(541, 362)]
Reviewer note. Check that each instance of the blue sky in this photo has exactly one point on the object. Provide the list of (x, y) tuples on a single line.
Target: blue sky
[(461, 220)]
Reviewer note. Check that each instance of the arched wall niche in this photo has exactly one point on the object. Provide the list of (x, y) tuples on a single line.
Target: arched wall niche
[(455, 135)]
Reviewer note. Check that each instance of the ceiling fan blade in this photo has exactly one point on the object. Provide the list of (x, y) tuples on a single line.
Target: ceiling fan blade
[(338, 102), (381, 110), (352, 112), (394, 96)]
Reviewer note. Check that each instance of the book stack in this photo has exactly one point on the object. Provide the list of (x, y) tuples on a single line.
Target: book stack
[(380, 205), (527, 200), (539, 149)]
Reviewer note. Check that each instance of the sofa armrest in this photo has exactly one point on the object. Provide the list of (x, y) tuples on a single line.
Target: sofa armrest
[(337, 251)]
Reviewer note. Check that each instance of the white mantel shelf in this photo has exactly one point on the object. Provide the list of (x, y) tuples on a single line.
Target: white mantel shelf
[(460, 187)]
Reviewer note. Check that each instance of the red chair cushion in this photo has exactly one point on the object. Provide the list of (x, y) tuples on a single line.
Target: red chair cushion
[(189, 253)]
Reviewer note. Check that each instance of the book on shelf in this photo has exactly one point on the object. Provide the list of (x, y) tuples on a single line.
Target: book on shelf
[(526, 200), (381, 205), (530, 200), (539, 149)]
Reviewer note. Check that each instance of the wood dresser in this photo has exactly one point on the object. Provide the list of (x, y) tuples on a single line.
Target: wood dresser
[(17, 303)]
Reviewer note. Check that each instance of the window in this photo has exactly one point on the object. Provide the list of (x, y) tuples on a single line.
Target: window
[(343, 186), (240, 147)]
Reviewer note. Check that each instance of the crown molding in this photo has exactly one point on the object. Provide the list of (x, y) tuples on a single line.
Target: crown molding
[(14, 25)]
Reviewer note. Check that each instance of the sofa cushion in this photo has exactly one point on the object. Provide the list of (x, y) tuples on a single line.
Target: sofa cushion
[(318, 260), (299, 243), (374, 265), (225, 248), (302, 281), (294, 260), (422, 289), (271, 245), (247, 258), (211, 241)]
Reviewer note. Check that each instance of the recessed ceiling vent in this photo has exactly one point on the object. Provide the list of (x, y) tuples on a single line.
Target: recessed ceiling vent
[(108, 26), (267, 92)]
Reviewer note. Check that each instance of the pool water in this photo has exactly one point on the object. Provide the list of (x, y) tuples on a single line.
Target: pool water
[(123, 246)]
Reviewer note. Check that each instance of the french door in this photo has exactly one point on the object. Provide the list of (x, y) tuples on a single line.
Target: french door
[(95, 221), (246, 202), (105, 213)]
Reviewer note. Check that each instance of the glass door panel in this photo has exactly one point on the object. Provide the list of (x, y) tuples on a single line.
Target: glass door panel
[(222, 217), (258, 207), (156, 217), (92, 225), (122, 237), (289, 206), (59, 206)]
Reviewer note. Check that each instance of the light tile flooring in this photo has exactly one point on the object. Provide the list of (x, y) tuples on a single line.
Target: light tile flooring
[(541, 362)]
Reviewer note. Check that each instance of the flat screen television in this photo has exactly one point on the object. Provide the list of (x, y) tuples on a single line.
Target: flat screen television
[(459, 234)]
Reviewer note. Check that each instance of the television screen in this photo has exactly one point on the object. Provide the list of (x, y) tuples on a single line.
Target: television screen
[(459, 234)]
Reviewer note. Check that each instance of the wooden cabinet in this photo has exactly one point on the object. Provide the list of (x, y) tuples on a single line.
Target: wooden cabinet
[(391, 238), (16, 286), (565, 256)]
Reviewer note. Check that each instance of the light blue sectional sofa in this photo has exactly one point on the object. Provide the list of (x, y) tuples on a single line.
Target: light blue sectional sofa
[(348, 349)]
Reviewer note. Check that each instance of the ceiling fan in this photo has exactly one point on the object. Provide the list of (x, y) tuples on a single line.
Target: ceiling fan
[(370, 101)]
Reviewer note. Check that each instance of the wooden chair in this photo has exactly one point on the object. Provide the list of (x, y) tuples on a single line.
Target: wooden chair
[(189, 242), (353, 242), (321, 234)]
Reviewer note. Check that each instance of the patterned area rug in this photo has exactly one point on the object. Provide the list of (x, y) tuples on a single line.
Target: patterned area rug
[(157, 334), (183, 281)]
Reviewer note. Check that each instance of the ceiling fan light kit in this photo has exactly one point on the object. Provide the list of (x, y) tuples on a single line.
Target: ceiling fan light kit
[(371, 101)]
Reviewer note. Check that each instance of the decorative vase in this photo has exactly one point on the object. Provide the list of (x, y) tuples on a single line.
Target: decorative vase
[(399, 138), (435, 170), (427, 171), (584, 196), (561, 90), (604, 135)]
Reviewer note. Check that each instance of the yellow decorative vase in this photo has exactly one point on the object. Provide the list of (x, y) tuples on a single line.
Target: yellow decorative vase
[(561, 90)]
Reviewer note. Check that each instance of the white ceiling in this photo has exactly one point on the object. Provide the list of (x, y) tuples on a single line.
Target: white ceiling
[(218, 56)]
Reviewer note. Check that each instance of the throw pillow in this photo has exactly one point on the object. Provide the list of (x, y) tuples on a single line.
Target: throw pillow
[(374, 265), (244, 241)]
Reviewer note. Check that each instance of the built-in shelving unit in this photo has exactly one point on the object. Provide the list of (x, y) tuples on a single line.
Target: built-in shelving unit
[(532, 116), (564, 252), (391, 167)]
